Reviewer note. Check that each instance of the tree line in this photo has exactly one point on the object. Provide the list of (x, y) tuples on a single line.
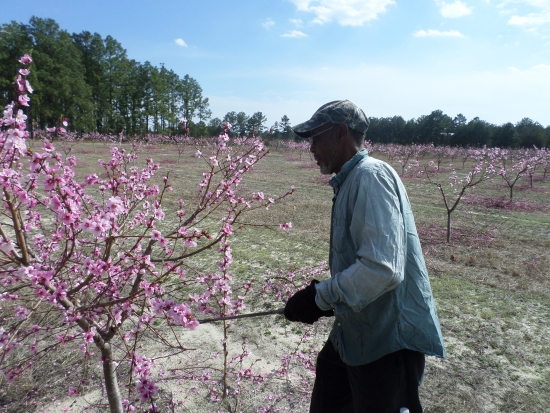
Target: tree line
[(91, 81), (441, 129)]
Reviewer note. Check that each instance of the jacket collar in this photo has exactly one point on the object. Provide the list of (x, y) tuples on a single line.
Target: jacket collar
[(337, 180)]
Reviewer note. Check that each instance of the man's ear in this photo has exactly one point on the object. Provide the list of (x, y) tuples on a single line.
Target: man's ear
[(342, 131)]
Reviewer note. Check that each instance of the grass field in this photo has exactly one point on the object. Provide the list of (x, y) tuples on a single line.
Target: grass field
[(491, 283)]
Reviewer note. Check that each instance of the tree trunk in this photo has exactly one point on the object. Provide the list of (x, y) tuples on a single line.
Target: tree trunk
[(448, 227), (111, 380)]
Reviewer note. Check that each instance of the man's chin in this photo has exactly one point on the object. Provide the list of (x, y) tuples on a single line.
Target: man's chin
[(325, 170)]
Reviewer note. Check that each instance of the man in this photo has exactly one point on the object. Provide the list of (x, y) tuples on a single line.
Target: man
[(379, 291)]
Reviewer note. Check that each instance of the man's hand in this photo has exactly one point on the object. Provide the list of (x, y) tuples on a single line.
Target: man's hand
[(302, 307)]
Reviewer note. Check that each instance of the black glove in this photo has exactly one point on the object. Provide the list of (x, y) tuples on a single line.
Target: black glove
[(302, 307)]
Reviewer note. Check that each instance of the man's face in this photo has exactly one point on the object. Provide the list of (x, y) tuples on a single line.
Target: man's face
[(325, 148)]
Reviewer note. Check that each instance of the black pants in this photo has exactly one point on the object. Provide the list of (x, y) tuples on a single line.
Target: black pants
[(383, 386)]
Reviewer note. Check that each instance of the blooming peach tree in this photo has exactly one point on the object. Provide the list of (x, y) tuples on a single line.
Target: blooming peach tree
[(102, 261), (458, 185)]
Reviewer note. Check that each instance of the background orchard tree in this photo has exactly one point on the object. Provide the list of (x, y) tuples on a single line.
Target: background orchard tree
[(543, 155), (512, 166), (453, 191)]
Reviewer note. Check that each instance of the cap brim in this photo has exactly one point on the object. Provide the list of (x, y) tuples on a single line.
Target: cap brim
[(304, 129)]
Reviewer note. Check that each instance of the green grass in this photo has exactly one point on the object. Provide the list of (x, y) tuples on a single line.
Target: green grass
[(493, 307), (491, 283)]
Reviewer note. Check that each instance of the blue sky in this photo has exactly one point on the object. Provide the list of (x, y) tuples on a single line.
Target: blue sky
[(485, 58)]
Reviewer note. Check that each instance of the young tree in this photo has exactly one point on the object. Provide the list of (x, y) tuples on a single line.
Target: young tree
[(483, 169), (102, 260), (511, 174)]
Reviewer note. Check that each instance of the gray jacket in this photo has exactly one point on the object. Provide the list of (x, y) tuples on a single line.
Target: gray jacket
[(379, 288)]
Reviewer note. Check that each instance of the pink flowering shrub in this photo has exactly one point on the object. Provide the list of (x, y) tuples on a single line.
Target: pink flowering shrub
[(102, 263), (453, 191)]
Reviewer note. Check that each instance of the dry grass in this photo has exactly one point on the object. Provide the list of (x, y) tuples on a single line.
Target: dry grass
[(491, 283)]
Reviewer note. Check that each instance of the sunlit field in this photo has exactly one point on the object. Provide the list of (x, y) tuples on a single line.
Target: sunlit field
[(491, 283)]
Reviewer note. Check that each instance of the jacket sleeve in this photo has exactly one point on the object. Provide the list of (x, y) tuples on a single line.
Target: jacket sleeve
[(377, 234)]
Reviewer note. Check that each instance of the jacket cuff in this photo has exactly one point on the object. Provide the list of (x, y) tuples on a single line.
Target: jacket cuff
[(322, 297)]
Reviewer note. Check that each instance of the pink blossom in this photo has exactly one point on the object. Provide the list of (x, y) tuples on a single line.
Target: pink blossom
[(73, 392), (286, 227), (25, 59), (87, 225), (159, 214), (48, 147), (14, 140), (227, 229), (23, 100), (20, 84), (20, 117), (92, 179), (96, 229), (65, 217), (6, 245), (127, 406), (190, 243), (89, 335), (104, 224), (156, 235), (146, 388), (115, 205), (24, 72), (21, 313)]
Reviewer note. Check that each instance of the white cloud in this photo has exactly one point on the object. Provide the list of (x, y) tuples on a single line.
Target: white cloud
[(497, 96), (294, 33), (180, 42), (541, 68), (453, 10), (268, 24), (532, 19), (437, 33), (345, 12), (537, 18), (297, 22)]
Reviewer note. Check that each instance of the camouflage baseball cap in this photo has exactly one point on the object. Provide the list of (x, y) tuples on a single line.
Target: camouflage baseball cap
[(337, 112)]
